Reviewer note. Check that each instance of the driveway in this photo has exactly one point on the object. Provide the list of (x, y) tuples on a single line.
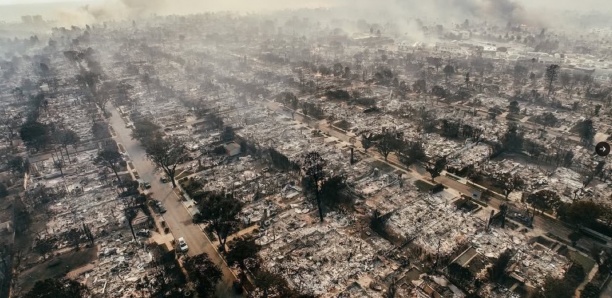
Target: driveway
[(177, 218)]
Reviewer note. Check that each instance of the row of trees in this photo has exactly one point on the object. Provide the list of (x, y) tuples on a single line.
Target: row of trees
[(166, 152), (390, 141)]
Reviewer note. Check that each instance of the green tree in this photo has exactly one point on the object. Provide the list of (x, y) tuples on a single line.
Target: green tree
[(166, 154), (574, 237), (420, 86), (411, 152), (520, 73), (586, 131), (547, 119), (544, 200), (35, 135), (509, 183), (145, 129), (220, 211), (17, 165), (367, 140), (271, 285), (497, 271), (54, 288), (436, 168), (513, 139), (438, 91), (204, 273), (583, 212), (386, 143), (109, 158), (514, 108), (448, 70), (555, 288), (3, 191), (99, 130), (242, 249), (44, 246), (590, 291), (334, 193)]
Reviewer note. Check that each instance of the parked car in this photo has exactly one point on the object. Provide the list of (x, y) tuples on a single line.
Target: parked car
[(144, 233), (160, 207), (144, 184), (183, 245)]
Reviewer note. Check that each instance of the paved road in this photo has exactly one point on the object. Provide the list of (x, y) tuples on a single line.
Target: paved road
[(177, 218)]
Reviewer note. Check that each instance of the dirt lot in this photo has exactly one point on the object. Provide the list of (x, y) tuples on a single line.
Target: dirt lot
[(57, 267)]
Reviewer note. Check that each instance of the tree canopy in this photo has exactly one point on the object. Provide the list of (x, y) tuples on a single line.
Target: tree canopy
[(220, 211), (544, 200), (109, 158), (145, 129), (204, 273), (166, 154), (35, 135), (54, 288)]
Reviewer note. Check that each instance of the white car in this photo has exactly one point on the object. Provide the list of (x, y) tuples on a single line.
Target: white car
[(183, 245)]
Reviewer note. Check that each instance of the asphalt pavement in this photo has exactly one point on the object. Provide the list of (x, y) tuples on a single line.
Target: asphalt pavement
[(177, 218)]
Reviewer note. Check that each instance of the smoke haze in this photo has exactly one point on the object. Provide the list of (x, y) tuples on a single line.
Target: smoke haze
[(539, 13)]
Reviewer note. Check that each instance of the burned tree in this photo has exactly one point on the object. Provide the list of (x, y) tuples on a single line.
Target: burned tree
[(552, 72), (67, 138), (568, 83), (313, 175)]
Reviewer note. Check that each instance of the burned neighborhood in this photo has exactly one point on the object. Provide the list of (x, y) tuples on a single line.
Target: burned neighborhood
[(388, 149)]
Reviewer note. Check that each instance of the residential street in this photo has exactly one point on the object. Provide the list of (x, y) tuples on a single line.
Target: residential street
[(177, 218)]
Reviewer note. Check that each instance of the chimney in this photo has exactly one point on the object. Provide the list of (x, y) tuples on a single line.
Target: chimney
[(352, 155)]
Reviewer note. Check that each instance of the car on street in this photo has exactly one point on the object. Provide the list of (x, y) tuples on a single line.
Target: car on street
[(160, 207), (144, 184), (183, 245)]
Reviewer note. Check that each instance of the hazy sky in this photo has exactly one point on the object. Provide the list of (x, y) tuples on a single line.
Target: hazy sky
[(11, 2), (569, 4), (558, 4), (70, 11)]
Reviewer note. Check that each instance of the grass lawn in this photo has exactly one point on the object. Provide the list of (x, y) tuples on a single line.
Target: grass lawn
[(586, 262), (423, 185), (57, 267)]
